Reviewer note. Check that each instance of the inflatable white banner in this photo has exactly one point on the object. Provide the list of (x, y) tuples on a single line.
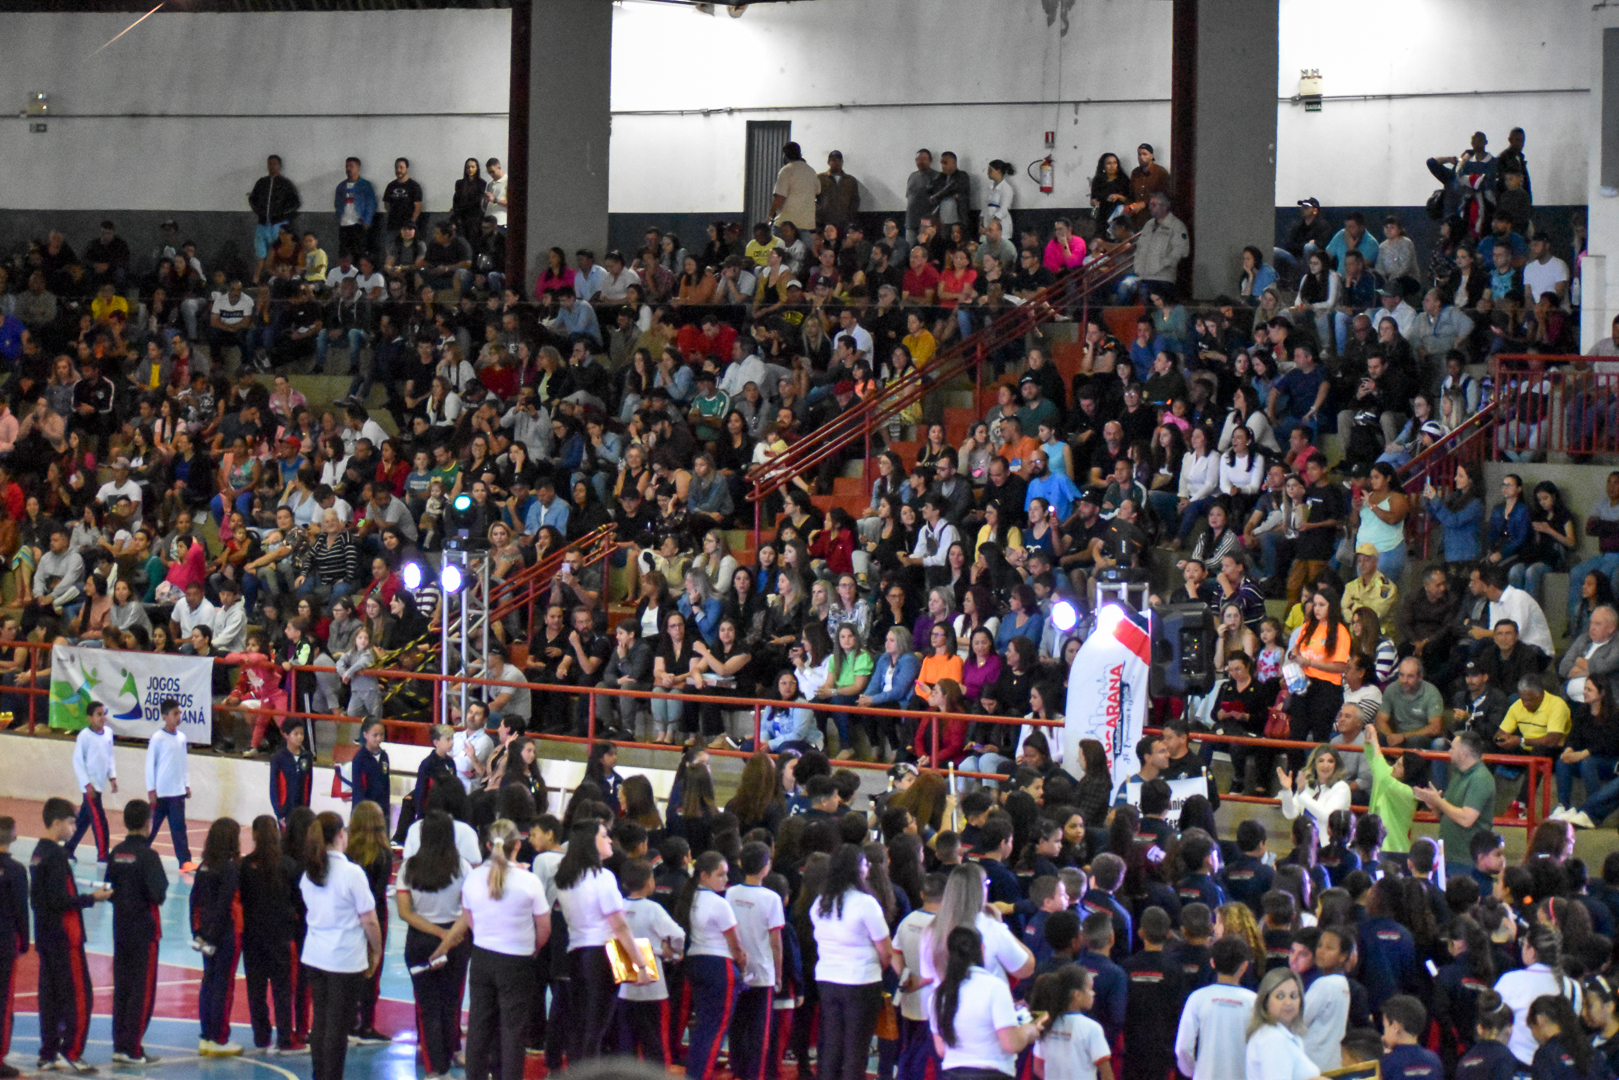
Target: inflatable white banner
[(133, 686), (1107, 691)]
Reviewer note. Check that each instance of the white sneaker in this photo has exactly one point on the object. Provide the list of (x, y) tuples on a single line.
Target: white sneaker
[(1580, 820), (208, 1048), (1559, 812)]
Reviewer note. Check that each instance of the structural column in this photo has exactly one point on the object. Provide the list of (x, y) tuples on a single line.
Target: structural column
[(1223, 134), (567, 123)]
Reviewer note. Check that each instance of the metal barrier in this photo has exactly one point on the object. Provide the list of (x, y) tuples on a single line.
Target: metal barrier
[(1539, 768), (1556, 404)]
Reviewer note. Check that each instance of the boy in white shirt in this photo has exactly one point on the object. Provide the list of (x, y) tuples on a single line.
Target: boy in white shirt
[(93, 767), (646, 1006), (1212, 1043), (916, 1045), (759, 919), (168, 783)]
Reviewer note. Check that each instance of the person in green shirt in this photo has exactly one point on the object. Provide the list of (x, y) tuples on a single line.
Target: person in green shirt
[(1468, 804), (851, 670), (708, 408), (1411, 716), (1393, 789)]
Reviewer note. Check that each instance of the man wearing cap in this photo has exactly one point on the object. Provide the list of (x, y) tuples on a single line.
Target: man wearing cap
[(1478, 706), (1146, 179), (793, 197), (1353, 237), (1311, 232), (837, 202), (1370, 589), (1035, 410), (708, 407), (119, 485), (1392, 305), (1437, 329)]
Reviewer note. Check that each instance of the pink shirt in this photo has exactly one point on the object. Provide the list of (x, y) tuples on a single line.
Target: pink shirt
[(1057, 260)]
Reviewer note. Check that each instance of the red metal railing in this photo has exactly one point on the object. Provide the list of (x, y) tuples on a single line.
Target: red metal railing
[(1467, 445), (965, 355), (523, 589), (1557, 404)]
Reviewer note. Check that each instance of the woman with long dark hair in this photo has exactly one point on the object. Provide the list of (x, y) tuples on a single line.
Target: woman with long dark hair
[(213, 900), (1563, 1048), (974, 1021), (1322, 652), (269, 922), (588, 897), (429, 903), (712, 946), (852, 947), (506, 909), (342, 945)]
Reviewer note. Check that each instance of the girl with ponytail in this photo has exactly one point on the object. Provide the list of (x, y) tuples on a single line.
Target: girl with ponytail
[(505, 909), (342, 943), (1601, 1016), (1564, 1049), (974, 1023), (712, 948), (1542, 974), (1489, 1056), (1457, 987)]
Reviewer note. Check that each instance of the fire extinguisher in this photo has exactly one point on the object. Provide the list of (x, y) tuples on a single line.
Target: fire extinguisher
[(1046, 176)]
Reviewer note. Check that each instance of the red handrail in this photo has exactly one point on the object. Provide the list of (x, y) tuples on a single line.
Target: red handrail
[(831, 438), (524, 588)]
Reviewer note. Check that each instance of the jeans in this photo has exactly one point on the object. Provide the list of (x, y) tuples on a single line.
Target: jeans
[(1602, 802), (1267, 552), (1194, 510), (1164, 503), (987, 762), (1391, 563), (666, 715), (1594, 772), (1530, 577), (357, 340), (1606, 563)]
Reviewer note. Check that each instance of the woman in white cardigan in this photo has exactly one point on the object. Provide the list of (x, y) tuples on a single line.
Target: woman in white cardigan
[(1200, 479), (1248, 413), (1318, 791)]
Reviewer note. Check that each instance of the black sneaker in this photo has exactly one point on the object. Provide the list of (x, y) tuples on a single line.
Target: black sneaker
[(371, 1037)]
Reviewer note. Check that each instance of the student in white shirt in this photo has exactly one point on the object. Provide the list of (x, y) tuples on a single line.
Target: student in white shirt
[(971, 1014), (965, 893), (1211, 1043), (588, 897), (712, 945), (508, 913), (759, 922), (1542, 973), (167, 781), (429, 903), (907, 963), (646, 1007), (342, 941), (1074, 1046), (1326, 1002), (96, 772), (1275, 1049), (453, 801), (851, 940)]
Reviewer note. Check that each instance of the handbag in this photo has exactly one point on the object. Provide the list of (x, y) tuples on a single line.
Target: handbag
[(1278, 725)]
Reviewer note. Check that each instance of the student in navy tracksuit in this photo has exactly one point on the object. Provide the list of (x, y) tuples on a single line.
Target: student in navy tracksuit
[(370, 770), (292, 771), (714, 961), (216, 927), (13, 934), (1199, 885), (436, 768), (1247, 878), (139, 886), (64, 974), (94, 769), (269, 920)]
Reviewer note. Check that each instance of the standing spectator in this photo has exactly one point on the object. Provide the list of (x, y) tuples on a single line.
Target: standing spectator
[(466, 207), (495, 202), (402, 198), (837, 201), (1147, 179), (917, 186), (949, 192), (793, 198), (275, 202), (1161, 247), (355, 202)]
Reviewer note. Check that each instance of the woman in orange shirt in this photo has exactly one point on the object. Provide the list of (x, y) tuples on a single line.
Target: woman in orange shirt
[(1322, 650), (940, 662)]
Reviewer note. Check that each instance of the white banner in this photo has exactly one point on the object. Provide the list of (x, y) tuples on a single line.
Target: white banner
[(1179, 792), (1107, 691), (133, 686)]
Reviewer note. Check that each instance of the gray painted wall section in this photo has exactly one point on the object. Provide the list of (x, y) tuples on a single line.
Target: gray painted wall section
[(569, 124), (1236, 136)]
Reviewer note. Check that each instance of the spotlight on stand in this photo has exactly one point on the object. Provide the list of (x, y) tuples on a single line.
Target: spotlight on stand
[(1064, 616), (451, 578), (411, 575)]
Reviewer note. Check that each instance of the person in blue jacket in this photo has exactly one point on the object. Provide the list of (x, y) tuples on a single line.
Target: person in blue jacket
[(355, 201), (370, 769), (292, 771), (1508, 529), (1461, 512), (889, 687), (1388, 952)]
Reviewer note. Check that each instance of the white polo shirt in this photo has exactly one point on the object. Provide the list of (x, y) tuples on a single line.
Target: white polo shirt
[(758, 912), (588, 906), (711, 917), (335, 940), (844, 940), (505, 925)]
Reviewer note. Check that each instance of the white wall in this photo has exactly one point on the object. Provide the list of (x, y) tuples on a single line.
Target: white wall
[(223, 91), (862, 77)]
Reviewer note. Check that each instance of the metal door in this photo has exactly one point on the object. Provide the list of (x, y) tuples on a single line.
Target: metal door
[(765, 140)]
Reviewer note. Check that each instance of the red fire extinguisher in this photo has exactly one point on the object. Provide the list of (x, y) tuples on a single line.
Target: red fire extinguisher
[(1046, 175)]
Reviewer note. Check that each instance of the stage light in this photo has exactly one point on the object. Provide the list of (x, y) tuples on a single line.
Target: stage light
[(1108, 616), (450, 578), (463, 503), (411, 575), (1064, 616)]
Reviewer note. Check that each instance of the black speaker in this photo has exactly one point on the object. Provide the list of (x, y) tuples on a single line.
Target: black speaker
[(1183, 639)]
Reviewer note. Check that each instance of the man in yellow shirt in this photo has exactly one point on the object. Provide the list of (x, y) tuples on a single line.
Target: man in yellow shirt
[(1371, 589), (1537, 724)]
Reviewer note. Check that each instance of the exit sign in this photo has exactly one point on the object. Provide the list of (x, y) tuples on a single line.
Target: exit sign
[(38, 127)]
